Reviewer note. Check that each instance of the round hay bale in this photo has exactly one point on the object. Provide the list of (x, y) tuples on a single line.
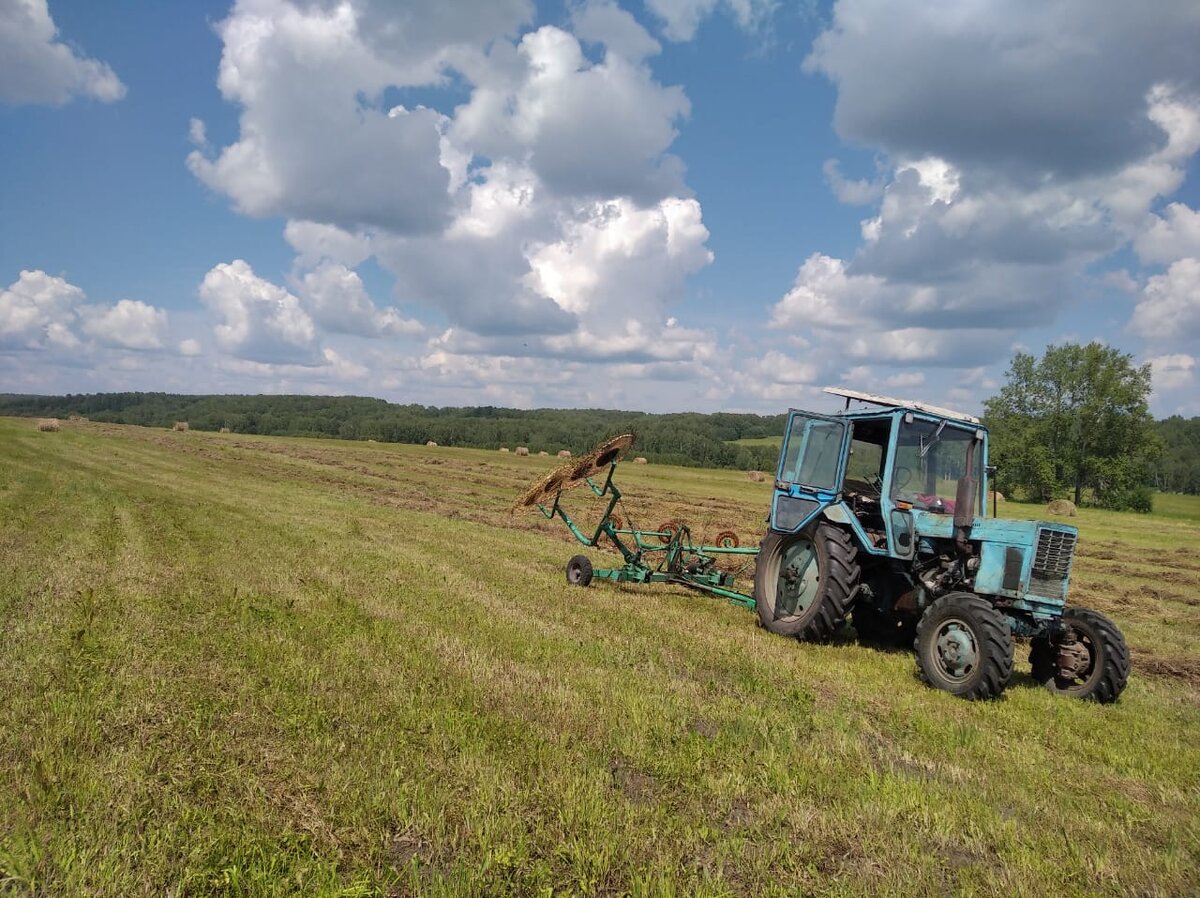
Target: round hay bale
[(181, 426), (640, 460), (522, 450), (997, 496), (1062, 507), (430, 444), (225, 430), (564, 453), (503, 448), (49, 425), (756, 476), (543, 454)]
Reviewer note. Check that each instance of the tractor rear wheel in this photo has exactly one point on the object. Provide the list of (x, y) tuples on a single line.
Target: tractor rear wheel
[(1089, 660), (964, 646), (579, 570), (804, 582)]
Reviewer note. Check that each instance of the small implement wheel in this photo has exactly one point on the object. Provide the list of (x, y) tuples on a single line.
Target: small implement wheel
[(579, 570), (1089, 660), (804, 582), (727, 539), (964, 646)]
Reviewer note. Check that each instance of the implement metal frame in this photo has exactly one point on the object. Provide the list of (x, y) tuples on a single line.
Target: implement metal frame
[(682, 561)]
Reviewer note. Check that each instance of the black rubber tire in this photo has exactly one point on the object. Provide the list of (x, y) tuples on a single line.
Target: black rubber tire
[(837, 570), (579, 570), (992, 637), (1105, 681)]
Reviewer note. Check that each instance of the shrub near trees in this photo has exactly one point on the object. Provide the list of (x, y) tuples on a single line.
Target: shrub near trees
[(1075, 422)]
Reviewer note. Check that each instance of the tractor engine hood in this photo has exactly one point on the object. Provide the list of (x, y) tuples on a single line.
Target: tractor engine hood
[(1024, 560)]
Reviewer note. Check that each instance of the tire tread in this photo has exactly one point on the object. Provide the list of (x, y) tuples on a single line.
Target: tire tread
[(1114, 651), (995, 642), (842, 577)]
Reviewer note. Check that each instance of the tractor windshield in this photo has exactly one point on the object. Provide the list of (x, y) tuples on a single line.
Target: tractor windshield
[(812, 452), (931, 456)]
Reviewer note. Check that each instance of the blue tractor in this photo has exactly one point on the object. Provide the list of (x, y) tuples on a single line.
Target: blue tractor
[(879, 516)]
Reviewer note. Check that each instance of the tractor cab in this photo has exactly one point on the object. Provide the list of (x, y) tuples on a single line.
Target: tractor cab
[(872, 469)]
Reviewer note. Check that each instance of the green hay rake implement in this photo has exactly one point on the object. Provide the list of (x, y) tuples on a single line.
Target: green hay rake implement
[(666, 555)]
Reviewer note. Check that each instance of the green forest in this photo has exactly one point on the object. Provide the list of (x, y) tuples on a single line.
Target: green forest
[(681, 439), (693, 439)]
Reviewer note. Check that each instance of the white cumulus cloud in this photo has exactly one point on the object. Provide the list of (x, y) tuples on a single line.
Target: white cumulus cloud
[(129, 324), (316, 143), (337, 300), (38, 310), (37, 67), (583, 128), (1173, 371), (258, 321), (544, 213), (1171, 236), (42, 312), (681, 18), (1169, 309)]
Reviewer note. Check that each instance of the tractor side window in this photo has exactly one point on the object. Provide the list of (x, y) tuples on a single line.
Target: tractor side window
[(812, 452), (864, 461), (864, 468), (820, 463)]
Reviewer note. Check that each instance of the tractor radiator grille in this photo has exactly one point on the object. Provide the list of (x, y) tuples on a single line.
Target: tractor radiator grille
[(1052, 562)]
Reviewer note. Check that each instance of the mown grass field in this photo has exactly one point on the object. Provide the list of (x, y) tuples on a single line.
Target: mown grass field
[(259, 666)]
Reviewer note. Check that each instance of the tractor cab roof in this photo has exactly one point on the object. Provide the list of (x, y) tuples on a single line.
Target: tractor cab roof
[(888, 402)]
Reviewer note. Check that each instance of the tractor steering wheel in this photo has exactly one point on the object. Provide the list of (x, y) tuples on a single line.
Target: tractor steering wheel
[(901, 477)]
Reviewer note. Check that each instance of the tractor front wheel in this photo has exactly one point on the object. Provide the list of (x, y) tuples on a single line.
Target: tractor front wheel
[(964, 646), (579, 570), (804, 582), (1088, 660)]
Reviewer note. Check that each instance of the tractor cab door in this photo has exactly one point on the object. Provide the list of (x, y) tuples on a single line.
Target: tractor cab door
[(812, 462)]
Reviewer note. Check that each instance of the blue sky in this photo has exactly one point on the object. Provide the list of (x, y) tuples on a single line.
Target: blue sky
[(652, 204)]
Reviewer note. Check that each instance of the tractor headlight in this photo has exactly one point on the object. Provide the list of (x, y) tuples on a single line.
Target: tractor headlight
[(790, 512)]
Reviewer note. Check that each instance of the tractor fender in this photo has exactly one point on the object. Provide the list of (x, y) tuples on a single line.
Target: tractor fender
[(839, 513)]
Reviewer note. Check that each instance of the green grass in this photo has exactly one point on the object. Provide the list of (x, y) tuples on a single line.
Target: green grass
[(1174, 505), (774, 442), (260, 666)]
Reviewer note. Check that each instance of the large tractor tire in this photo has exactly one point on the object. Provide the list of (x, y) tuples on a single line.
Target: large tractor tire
[(964, 646), (805, 582), (1089, 661)]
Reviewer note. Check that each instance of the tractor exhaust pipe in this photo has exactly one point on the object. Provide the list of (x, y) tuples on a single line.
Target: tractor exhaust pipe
[(964, 502)]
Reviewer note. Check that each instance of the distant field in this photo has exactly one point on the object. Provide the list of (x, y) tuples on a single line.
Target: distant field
[(759, 441), (263, 666), (1173, 505)]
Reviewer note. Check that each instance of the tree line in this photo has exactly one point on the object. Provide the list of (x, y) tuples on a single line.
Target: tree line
[(690, 439), (1072, 423)]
